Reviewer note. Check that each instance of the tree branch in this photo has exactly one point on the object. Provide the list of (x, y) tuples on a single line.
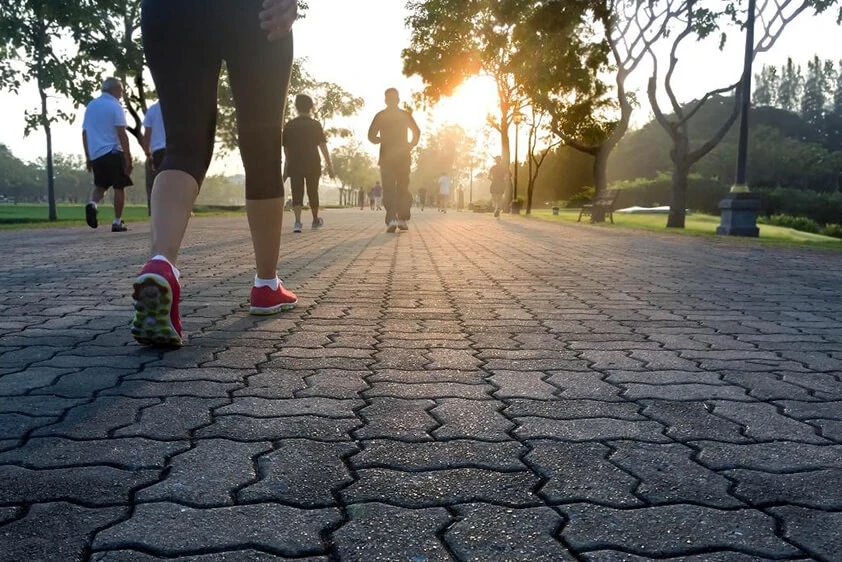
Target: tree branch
[(697, 154)]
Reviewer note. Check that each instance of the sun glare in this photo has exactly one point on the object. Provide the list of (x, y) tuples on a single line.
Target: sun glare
[(469, 105)]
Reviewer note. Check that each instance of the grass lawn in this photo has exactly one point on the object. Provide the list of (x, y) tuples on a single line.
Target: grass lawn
[(698, 225), (33, 215)]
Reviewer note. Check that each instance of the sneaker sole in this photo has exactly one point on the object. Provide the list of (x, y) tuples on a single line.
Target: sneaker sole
[(153, 305), (391, 229), (268, 311), (90, 216)]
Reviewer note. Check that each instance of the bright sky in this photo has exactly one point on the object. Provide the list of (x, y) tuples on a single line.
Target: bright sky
[(357, 44)]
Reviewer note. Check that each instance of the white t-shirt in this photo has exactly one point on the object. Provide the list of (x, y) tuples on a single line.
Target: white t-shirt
[(102, 116), (444, 185), (155, 121)]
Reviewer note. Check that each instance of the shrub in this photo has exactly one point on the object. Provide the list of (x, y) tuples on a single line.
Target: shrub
[(834, 230), (582, 198), (803, 224), (703, 195)]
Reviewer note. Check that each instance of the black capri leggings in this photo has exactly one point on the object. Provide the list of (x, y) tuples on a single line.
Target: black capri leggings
[(296, 184), (185, 42)]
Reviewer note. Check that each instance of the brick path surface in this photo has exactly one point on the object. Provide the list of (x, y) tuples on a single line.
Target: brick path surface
[(472, 389)]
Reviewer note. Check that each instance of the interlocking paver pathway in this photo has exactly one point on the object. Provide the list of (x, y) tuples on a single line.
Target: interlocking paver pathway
[(473, 389)]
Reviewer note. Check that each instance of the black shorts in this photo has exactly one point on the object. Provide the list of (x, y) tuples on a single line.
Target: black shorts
[(109, 171), (158, 158)]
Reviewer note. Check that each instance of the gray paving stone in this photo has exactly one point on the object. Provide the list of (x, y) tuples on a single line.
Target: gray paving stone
[(27, 380), (814, 531), (829, 429), (208, 475), (386, 533), (247, 428), (672, 530), (817, 489), (781, 456), (695, 392), (84, 383), (300, 472), (274, 383), (175, 418), (313, 406), (149, 389), (334, 383), (437, 376), (801, 410), (522, 385), (490, 532), (429, 390), (583, 385), (17, 426), (441, 487), (395, 418), (577, 472), (762, 422), (687, 421), (198, 374), (824, 385), (471, 419), (54, 531), (127, 453), (232, 556), (767, 386), (722, 556), (94, 486), (97, 419), (170, 529), (436, 455), (36, 405), (592, 429), (657, 377), (572, 409), (667, 474)]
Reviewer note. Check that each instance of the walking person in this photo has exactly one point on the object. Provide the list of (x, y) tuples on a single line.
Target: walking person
[(303, 139), (444, 192), (377, 193), (498, 175), (422, 197), (185, 44), (390, 129), (154, 145), (107, 152)]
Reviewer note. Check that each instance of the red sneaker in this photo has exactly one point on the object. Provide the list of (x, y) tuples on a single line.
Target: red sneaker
[(156, 295), (265, 301)]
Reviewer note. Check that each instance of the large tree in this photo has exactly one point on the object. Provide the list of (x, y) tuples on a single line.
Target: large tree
[(766, 86), (566, 49), (790, 86), (453, 40), (446, 150), (700, 22), (31, 34)]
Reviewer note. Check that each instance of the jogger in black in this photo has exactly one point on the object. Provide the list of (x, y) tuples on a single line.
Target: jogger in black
[(185, 43), (389, 129)]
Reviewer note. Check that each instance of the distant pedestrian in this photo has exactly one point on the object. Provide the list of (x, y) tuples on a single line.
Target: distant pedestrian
[(304, 138), (422, 197), (107, 152), (154, 145), (377, 193), (185, 44), (444, 192), (460, 199), (390, 129), (362, 197), (499, 175)]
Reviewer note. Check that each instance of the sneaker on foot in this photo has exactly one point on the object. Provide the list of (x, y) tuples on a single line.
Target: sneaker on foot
[(297, 227), (496, 213), (265, 301), (318, 223), (90, 215), (156, 295), (402, 225), (119, 227), (393, 226)]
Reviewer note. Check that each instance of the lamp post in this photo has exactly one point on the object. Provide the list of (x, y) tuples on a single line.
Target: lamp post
[(738, 211), (517, 118)]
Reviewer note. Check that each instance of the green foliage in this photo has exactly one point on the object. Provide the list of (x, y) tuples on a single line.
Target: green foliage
[(803, 224), (834, 230), (354, 167), (582, 197), (823, 208), (703, 195), (446, 150)]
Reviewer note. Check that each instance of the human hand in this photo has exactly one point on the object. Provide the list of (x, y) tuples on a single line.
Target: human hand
[(277, 17), (127, 165)]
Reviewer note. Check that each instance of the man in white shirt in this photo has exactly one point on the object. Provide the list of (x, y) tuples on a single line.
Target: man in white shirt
[(154, 144), (444, 192), (107, 152)]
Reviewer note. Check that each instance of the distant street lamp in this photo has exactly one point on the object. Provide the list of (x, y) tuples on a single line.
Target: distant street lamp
[(517, 118)]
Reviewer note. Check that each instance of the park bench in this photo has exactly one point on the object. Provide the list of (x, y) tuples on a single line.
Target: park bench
[(605, 202)]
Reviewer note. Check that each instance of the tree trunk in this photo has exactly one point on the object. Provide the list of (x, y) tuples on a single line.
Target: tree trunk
[(680, 172), (51, 183), (530, 188), (600, 179)]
